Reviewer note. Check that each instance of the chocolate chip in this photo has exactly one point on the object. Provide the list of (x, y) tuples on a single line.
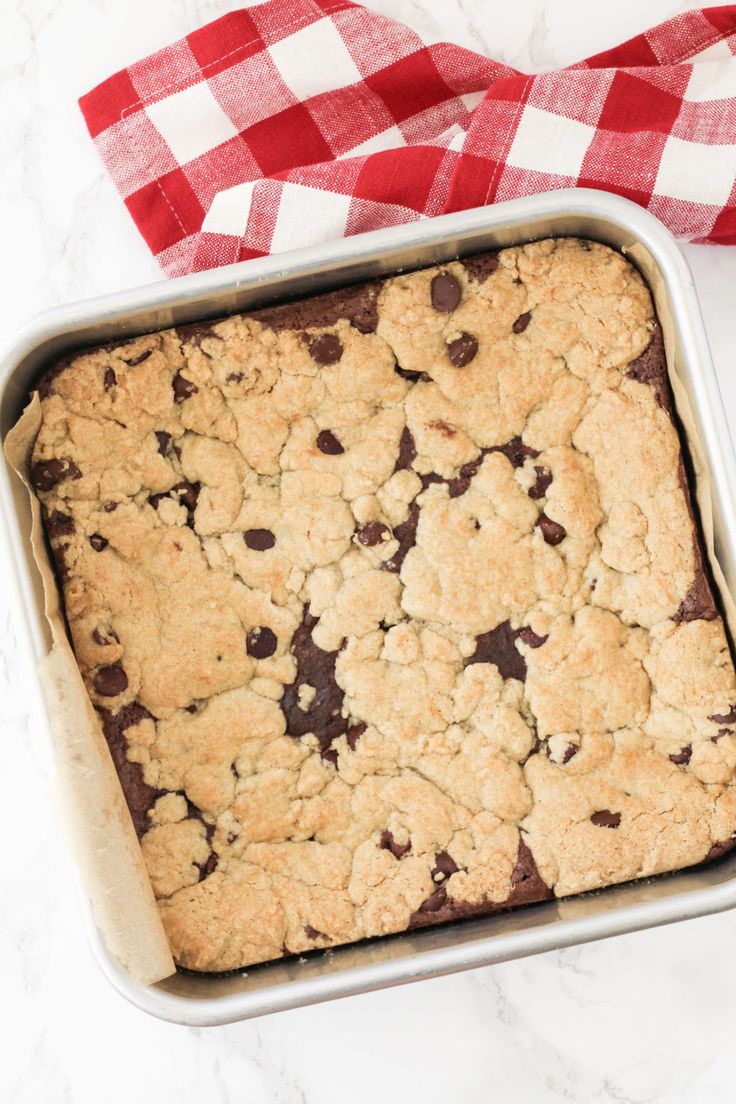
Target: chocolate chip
[(604, 818), (261, 642), (388, 843), (354, 733), (530, 638), (154, 499), (444, 866), (462, 350), (59, 525), (683, 756), (260, 540), (311, 933), (103, 639), (47, 473), (191, 708), (521, 322), (231, 837), (188, 493), (110, 681), (207, 867), (498, 647), (109, 379), (328, 443), (551, 531), (110, 506), (720, 734), (329, 755), (325, 349), (183, 387), (98, 542), (570, 752), (435, 901), (164, 440), (541, 483), (724, 718), (235, 377), (139, 359), (445, 292), (373, 533)]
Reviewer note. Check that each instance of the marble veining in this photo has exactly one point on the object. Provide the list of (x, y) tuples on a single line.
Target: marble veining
[(644, 1018)]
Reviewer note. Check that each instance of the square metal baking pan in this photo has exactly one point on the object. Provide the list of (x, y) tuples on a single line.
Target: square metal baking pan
[(202, 1000)]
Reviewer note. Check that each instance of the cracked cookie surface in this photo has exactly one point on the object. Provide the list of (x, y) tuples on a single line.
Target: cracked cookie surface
[(391, 602)]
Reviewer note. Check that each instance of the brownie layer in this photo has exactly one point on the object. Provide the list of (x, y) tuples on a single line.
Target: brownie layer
[(392, 602)]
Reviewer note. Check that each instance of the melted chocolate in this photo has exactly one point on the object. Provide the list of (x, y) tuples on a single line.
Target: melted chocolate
[(480, 267), (499, 647), (357, 304), (649, 368), (46, 474), (388, 843), (58, 524), (315, 668), (407, 451), (527, 887), (138, 794)]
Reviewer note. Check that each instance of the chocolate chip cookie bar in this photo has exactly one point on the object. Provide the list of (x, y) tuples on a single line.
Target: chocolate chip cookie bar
[(392, 602)]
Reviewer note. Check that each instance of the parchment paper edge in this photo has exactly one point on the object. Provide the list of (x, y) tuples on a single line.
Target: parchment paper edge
[(99, 825)]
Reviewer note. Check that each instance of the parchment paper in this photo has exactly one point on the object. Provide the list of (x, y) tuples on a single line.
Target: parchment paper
[(105, 845)]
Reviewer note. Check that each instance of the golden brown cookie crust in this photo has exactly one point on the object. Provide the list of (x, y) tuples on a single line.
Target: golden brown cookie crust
[(391, 602)]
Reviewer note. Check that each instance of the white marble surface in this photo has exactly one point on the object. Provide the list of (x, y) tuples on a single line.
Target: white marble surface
[(649, 1017)]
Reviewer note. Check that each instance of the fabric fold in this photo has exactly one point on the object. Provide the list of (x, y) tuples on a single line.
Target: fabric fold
[(299, 121)]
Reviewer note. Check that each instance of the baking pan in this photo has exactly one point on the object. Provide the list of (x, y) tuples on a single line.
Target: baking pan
[(206, 999)]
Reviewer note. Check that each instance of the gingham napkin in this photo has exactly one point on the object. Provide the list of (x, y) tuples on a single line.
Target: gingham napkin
[(298, 121)]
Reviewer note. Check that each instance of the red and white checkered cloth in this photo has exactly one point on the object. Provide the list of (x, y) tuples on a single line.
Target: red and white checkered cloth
[(298, 121)]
